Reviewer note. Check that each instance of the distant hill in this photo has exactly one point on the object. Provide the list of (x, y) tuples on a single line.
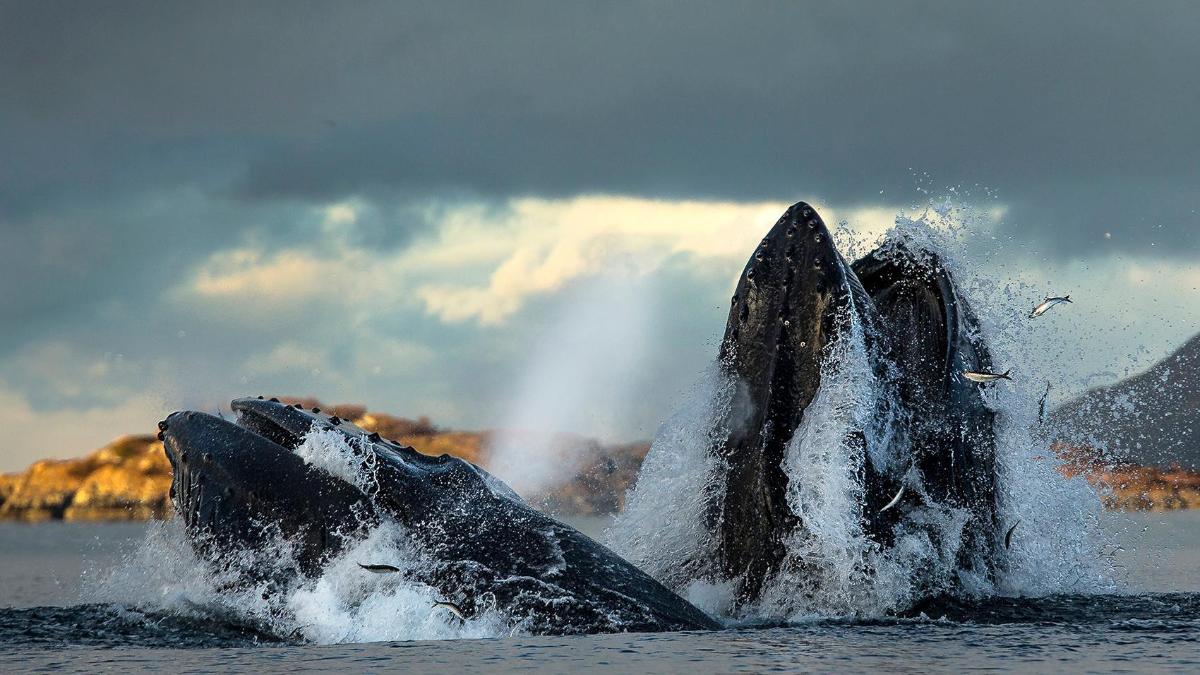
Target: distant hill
[(1151, 419)]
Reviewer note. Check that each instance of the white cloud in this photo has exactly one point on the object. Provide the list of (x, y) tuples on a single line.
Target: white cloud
[(536, 246)]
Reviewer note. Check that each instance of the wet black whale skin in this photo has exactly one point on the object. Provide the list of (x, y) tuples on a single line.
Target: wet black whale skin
[(481, 547)]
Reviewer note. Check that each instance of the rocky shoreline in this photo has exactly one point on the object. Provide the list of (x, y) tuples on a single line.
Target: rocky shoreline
[(129, 479)]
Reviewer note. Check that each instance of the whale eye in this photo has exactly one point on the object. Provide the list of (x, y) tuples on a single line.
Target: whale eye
[(812, 224), (758, 256), (817, 238), (750, 274), (791, 231)]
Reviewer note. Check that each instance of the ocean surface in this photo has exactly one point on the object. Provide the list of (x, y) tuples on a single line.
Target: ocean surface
[(52, 574)]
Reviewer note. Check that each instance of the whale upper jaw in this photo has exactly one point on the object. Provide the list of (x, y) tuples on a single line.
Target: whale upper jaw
[(795, 299)]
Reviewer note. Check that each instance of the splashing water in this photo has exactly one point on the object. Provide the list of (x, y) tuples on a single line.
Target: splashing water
[(663, 520), (839, 570), (342, 603)]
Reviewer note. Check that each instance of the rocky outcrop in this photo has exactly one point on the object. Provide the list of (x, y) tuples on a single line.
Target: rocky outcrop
[(1127, 487), (127, 479)]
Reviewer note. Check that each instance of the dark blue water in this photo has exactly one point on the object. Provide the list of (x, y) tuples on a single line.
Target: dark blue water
[(1152, 624)]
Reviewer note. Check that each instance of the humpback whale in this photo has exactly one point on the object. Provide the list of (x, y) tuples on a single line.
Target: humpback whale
[(241, 486), (924, 438), (890, 336)]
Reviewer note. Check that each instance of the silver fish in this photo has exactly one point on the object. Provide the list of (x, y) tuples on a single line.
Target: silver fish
[(452, 608), (985, 377), (1047, 304), (1008, 535), (894, 501), (379, 569)]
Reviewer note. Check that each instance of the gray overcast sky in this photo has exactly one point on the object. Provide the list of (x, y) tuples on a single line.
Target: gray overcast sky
[(418, 175)]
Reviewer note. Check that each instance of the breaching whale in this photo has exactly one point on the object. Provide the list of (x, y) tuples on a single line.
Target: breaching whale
[(926, 438), (889, 336), (240, 486)]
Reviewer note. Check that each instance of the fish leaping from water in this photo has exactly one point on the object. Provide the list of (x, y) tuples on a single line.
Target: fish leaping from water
[(452, 608), (1047, 304), (985, 377)]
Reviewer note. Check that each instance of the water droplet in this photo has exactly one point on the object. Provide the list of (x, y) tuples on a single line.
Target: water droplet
[(803, 344)]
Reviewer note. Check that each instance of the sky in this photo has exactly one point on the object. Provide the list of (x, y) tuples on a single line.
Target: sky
[(533, 213)]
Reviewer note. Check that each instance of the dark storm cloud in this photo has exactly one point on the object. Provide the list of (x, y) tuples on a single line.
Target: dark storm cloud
[(1071, 111)]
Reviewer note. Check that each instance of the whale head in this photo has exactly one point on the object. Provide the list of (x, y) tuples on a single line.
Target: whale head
[(247, 484)]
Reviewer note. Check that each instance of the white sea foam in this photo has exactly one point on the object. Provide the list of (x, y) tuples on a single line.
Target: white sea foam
[(350, 460)]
